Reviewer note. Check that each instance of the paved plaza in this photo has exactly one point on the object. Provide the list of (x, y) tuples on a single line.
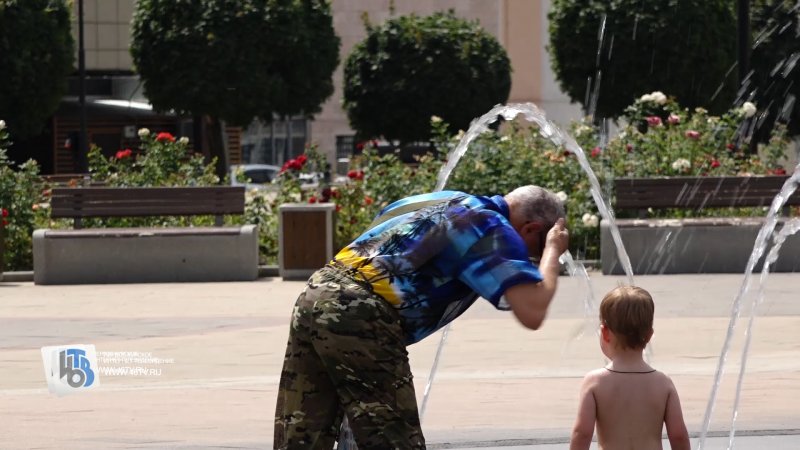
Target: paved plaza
[(498, 385)]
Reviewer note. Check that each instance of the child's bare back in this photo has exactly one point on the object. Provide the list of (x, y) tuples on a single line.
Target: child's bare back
[(631, 406), (628, 401)]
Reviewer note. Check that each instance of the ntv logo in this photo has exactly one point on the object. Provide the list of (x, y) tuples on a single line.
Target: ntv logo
[(69, 369)]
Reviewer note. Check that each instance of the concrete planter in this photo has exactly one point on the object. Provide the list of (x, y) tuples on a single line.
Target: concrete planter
[(702, 245)]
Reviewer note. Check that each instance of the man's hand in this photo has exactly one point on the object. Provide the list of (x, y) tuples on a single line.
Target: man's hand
[(530, 301), (558, 237)]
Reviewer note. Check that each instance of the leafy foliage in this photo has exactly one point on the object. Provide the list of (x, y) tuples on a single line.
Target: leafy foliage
[(684, 47), (36, 56), (235, 60), (775, 82), (685, 142), (21, 193), (161, 161), (411, 68)]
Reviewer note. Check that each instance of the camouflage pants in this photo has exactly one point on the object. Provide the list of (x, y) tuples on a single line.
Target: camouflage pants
[(346, 354)]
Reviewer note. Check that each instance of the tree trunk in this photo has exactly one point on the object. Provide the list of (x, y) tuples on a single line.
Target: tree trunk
[(216, 146), (198, 137), (210, 143)]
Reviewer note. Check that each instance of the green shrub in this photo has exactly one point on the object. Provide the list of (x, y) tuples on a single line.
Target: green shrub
[(21, 206), (411, 68), (683, 142), (775, 81), (162, 161), (684, 47), (235, 60), (36, 56)]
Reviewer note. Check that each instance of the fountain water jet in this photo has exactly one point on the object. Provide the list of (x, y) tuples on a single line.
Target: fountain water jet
[(789, 187), (789, 229), (550, 131)]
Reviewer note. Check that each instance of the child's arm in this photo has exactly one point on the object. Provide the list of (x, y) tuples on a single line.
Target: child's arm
[(673, 419), (584, 424)]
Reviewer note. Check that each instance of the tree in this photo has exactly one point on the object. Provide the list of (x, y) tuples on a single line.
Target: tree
[(36, 56), (235, 60), (411, 68), (774, 85), (627, 48)]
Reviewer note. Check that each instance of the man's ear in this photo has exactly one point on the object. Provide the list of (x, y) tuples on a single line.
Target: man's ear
[(530, 228)]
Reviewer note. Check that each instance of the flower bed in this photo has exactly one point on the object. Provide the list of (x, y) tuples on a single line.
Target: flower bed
[(659, 139)]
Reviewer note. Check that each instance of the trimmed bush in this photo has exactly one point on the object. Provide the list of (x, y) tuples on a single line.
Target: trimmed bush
[(411, 68), (683, 47), (36, 56)]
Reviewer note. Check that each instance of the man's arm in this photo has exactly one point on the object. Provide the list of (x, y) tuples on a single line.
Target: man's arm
[(583, 429), (529, 301), (673, 419)]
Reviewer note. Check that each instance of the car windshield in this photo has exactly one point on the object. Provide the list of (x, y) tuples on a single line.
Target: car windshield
[(260, 175)]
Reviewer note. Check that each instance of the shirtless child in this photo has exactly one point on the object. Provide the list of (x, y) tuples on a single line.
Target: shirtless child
[(628, 400)]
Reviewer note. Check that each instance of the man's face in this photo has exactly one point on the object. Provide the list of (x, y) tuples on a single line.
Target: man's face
[(534, 234)]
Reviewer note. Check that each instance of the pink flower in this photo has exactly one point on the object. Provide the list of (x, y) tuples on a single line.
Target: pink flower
[(122, 154), (5, 213), (302, 159), (629, 147), (596, 152), (312, 199), (654, 121), (692, 134), (674, 119), (714, 163)]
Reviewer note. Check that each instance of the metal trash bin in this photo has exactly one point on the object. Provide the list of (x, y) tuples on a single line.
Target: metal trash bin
[(305, 238)]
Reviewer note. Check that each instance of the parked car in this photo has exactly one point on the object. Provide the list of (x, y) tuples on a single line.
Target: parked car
[(260, 175)]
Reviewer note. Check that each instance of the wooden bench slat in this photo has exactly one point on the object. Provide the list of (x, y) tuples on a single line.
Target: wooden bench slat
[(128, 192), (200, 202), (131, 202), (93, 233), (147, 212), (699, 192)]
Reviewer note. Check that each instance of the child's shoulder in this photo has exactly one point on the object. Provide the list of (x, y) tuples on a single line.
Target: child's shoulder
[(664, 378), (602, 374), (595, 376)]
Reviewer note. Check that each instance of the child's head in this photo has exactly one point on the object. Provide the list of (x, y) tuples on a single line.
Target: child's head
[(627, 311)]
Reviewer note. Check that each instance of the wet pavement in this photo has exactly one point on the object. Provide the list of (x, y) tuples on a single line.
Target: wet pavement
[(498, 385)]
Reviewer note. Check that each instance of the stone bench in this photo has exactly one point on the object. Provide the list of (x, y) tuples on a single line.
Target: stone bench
[(148, 254), (693, 245)]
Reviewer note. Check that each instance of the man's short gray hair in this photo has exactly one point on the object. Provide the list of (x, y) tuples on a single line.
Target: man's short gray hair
[(537, 204)]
